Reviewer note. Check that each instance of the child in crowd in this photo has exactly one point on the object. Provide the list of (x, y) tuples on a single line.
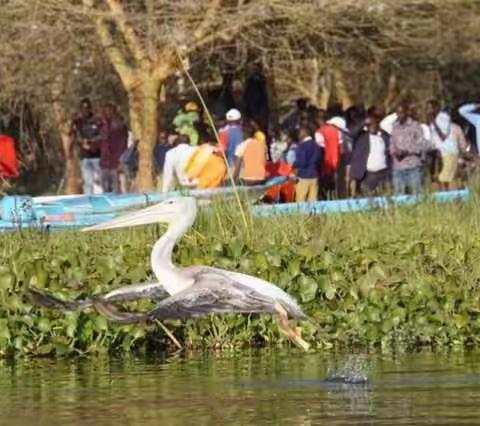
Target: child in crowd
[(292, 145)]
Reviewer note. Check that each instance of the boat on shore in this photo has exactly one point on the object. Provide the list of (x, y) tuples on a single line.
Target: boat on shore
[(65, 212), (352, 205), (60, 212)]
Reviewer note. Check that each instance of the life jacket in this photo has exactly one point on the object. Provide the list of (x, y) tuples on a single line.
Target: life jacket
[(206, 167), (223, 135), (286, 191), (331, 155), (9, 165)]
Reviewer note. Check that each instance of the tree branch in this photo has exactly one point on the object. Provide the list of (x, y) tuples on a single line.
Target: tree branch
[(209, 18), (119, 17), (115, 56)]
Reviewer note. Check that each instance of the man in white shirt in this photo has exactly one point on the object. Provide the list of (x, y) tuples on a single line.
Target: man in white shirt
[(441, 139), (175, 161), (370, 160)]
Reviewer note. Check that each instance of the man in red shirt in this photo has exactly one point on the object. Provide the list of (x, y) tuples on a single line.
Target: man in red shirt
[(8, 158), (328, 136), (113, 136)]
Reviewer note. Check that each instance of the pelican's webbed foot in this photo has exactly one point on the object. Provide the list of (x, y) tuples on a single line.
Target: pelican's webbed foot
[(284, 326)]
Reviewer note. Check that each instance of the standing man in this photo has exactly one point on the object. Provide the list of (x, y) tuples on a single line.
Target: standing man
[(370, 161), (231, 135), (308, 161), (328, 136), (407, 147), (86, 132), (9, 164), (441, 138), (251, 156), (293, 119), (176, 160), (114, 137), (471, 113)]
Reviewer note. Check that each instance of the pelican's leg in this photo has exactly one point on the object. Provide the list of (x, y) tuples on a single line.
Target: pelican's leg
[(284, 326)]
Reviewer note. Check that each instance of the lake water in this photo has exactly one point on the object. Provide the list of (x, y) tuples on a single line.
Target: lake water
[(253, 388)]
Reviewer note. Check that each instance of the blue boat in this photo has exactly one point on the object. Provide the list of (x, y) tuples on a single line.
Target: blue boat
[(64, 212), (355, 204), (26, 212)]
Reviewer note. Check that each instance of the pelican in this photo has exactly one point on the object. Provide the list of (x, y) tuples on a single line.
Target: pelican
[(193, 291)]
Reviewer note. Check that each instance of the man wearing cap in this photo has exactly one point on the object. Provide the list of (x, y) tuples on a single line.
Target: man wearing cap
[(328, 136), (231, 135)]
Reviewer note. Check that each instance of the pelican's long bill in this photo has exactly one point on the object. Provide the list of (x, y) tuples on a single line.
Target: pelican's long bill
[(159, 213)]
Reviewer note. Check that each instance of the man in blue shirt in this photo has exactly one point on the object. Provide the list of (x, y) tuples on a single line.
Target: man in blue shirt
[(233, 134), (308, 160)]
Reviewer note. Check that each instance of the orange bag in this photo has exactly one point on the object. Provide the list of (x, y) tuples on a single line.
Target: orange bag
[(206, 167)]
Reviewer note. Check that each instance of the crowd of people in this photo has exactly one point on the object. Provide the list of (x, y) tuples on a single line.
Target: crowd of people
[(327, 154)]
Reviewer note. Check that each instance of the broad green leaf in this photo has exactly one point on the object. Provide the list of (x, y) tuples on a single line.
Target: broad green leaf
[(236, 247), (45, 349), (294, 267), (44, 325), (330, 292), (308, 288), (4, 330), (261, 262), (101, 323), (7, 281)]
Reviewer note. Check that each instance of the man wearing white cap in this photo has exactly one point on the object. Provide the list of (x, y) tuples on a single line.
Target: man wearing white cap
[(231, 135), (329, 137)]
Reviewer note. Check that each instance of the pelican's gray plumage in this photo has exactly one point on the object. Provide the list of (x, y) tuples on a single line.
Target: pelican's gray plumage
[(128, 293), (196, 290)]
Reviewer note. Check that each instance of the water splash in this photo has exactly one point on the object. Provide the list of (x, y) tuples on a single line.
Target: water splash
[(354, 370)]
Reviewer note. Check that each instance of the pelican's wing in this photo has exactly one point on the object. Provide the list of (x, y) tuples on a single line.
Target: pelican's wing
[(211, 293), (51, 302), (127, 293), (130, 293), (257, 285)]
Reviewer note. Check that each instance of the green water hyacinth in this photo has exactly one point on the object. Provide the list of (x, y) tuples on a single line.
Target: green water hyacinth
[(395, 278)]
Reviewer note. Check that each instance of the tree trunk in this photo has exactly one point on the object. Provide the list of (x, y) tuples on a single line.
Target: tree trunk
[(391, 92), (325, 90), (144, 121), (341, 89), (314, 80), (72, 178), (72, 175)]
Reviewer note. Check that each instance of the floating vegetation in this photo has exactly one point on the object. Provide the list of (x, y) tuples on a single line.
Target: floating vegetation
[(398, 278)]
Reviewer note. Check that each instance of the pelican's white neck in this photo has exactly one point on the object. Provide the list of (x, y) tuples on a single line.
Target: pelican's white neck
[(161, 257)]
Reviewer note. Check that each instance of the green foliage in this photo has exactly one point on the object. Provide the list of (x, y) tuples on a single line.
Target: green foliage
[(407, 276)]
